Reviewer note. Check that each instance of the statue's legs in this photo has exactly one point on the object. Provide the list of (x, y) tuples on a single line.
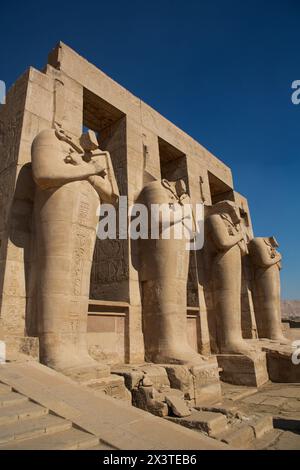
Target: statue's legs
[(268, 304), (87, 260), (57, 322), (227, 274), (64, 256), (165, 322)]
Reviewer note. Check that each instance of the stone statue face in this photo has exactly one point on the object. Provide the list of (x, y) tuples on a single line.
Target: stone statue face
[(228, 208), (273, 242), (180, 187), (235, 215), (176, 186)]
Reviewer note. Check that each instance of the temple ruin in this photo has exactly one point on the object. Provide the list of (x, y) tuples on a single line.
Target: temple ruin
[(119, 315)]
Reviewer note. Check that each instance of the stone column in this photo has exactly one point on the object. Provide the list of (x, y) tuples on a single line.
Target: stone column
[(226, 241), (266, 263), (163, 275), (70, 184)]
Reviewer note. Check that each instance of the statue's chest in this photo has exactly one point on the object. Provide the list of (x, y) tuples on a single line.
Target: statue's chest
[(74, 203)]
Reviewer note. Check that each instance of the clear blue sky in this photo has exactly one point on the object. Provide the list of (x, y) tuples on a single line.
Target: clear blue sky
[(219, 69)]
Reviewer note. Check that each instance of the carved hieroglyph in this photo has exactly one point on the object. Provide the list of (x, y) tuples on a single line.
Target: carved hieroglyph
[(163, 275), (266, 263), (227, 242), (71, 180)]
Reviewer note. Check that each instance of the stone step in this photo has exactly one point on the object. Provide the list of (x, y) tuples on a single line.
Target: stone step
[(268, 440), (71, 439), (119, 425), (21, 411), (242, 434), (4, 388), (94, 372), (30, 428), (113, 385), (11, 398), (238, 369), (209, 422), (262, 425), (236, 392)]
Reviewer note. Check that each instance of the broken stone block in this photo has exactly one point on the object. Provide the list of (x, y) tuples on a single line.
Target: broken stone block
[(262, 425), (132, 375), (200, 384), (239, 369), (177, 405), (147, 382), (239, 436), (206, 383), (157, 374), (212, 423), (180, 378), (148, 399), (112, 385)]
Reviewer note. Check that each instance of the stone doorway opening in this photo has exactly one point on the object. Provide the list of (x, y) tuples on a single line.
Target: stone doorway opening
[(219, 190)]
